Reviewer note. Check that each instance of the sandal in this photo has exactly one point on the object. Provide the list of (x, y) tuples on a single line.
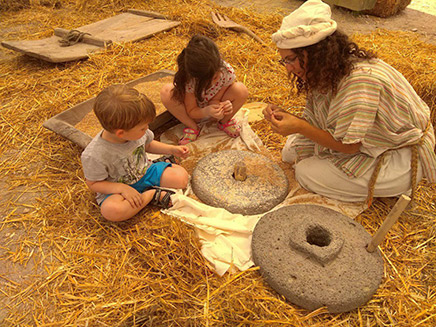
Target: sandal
[(231, 128), (189, 135), (156, 200), (168, 158)]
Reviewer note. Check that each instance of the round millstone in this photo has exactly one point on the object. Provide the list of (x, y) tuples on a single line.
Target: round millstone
[(315, 257), (264, 186)]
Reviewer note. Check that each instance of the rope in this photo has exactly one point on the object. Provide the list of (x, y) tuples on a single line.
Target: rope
[(72, 37), (413, 164), (373, 179)]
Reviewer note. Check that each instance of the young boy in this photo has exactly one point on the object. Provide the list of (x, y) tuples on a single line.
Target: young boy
[(115, 163)]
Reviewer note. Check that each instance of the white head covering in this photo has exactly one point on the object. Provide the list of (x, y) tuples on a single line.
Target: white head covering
[(307, 25)]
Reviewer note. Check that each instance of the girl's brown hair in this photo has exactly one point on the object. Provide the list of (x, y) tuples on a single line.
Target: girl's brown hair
[(200, 60), (329, 61), (122, 107)]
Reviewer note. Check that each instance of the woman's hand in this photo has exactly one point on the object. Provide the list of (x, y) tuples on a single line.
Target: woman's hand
[(180, 151), (269, 111), (284, 123), (215, 111)]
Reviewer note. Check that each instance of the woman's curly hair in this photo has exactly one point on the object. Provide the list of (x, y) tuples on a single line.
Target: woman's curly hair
[(329, 61)]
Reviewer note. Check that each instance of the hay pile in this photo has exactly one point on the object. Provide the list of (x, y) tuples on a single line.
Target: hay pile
[(74, 269)]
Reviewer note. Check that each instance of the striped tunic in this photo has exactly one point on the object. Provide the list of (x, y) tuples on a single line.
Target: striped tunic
[(374, 105)]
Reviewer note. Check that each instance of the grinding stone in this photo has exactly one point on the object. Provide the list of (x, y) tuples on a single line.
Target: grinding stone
[(213, 182), (315, 257)]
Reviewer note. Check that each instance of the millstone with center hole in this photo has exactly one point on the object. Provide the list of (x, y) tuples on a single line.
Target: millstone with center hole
[(316, 257), (239, 181)]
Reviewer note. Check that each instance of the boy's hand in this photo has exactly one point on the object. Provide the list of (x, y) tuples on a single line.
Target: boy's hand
[(227, 107), (215, 111), (180, 151), (132, 196)]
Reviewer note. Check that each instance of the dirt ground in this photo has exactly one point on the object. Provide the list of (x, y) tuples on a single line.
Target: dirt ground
[(408, 20)]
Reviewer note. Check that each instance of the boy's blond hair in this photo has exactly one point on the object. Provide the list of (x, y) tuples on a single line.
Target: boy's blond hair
[(122, 107)]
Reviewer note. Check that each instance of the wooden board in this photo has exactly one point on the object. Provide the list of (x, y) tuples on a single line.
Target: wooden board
[(130, 26), (79, 123)]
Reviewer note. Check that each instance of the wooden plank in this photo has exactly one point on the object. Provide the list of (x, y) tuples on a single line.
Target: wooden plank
[(67, 123), (125, 27), (49, 49), (146, 13)]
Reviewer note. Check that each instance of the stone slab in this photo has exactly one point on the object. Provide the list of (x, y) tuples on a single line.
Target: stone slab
[(315, 257), (265, 187)]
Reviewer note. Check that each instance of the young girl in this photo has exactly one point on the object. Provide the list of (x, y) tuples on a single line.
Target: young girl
[(204, 88)]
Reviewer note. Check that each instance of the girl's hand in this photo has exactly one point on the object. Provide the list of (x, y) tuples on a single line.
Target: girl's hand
[(215, 111), (132, 196), (180, 151), (284, 123), (269, 111), (227, 107)]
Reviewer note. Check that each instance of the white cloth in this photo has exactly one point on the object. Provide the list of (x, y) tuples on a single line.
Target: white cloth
[(226, 237), (307, 25)]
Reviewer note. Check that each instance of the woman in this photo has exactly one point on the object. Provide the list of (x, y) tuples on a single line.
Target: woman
[(365, 132)]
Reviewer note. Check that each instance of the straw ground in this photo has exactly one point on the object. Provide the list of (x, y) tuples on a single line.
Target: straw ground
[(61, 264)]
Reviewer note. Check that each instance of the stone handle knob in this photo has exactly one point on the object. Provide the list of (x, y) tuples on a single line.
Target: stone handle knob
[(240, 172)]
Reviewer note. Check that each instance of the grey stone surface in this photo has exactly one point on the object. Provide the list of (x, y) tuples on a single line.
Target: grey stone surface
[(213, 182), (315, 257)]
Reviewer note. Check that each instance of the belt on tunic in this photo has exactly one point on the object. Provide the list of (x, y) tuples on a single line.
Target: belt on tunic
[(413, 164)]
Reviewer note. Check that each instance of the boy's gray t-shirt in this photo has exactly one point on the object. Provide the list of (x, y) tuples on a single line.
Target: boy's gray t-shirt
[(116, 162)]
